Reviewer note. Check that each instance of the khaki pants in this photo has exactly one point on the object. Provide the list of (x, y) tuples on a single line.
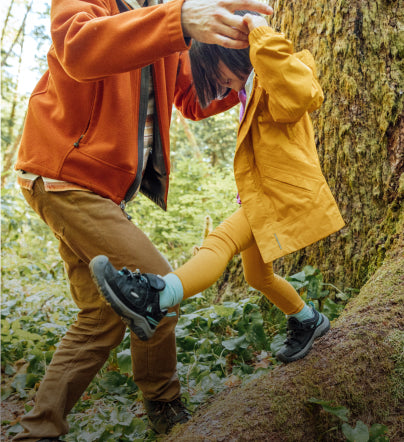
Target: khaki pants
[(87, 225)]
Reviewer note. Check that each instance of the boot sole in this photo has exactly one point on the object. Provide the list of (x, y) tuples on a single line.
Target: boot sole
[(321, 330), (137, 323)]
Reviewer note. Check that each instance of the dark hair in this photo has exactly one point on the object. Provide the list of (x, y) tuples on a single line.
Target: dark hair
[(204, 66)]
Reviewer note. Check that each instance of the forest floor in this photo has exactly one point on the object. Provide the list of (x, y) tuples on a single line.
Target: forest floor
[(11, 410)]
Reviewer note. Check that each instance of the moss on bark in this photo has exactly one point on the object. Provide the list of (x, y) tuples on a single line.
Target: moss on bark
[(359, 48)]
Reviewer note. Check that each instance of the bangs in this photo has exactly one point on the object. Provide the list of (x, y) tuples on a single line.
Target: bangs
[(205, 60), (206, 75)]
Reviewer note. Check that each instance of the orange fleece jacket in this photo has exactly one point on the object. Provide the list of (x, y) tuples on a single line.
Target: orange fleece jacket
[(82, 119)]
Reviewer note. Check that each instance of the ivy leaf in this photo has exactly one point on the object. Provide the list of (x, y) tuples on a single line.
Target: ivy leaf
[(339, 411), (187, 343), (121, 418), (277, 342), (125, 361), (235, 343), (376, 431), (19, 384), (15, 429), (310, 271), (116, 383), (300, 276), (331, 309), (297, 285), (358, 434)]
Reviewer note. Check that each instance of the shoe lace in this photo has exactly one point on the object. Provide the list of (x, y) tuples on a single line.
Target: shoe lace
[(179, 411), (175, 410), (295, 327), (131, 275)]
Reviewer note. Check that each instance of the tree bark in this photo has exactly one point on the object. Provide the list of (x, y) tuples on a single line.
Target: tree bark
[(358, 364), (8, 158), (358, 47)]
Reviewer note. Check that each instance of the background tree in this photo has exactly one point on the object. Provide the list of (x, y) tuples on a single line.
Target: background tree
[(16, 30), (359, 48)]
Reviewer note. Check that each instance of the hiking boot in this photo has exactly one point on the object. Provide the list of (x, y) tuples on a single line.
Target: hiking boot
[(164, 415), (301, 335), (133, 295)]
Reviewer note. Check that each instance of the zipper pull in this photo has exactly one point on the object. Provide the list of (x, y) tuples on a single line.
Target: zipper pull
[(122, 205), (76, 144)]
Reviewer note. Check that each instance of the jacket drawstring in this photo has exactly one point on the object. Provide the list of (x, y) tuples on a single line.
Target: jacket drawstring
[(122, 205)]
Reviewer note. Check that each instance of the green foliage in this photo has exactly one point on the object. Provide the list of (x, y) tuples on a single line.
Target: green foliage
[(311, 286), (218, 342), (361, 432), (196, 190), (218, 345), (23, 37), (107, 424), (215, 138)]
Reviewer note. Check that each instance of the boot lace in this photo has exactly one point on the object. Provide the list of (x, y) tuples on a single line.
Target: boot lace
[(131, 275), (295, 328), (174, 411)]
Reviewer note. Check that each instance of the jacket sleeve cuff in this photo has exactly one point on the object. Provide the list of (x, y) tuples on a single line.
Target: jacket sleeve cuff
[(256, 33), (175, 33)]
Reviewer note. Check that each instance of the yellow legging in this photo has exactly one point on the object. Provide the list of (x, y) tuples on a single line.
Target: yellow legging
[(231, 237)]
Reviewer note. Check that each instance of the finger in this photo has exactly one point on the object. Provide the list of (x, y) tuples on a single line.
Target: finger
[(232, 33), (252, 5), (249, 22), (234, 21), (230, 43), (254, 21), (229, 36)]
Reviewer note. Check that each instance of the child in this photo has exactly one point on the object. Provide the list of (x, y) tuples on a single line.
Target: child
[(286, 203)]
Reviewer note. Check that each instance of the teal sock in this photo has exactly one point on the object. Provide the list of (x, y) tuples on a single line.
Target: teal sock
[(173, 292), (305, 313)]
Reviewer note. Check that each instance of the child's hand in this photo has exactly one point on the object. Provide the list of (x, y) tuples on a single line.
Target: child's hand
[(254, 21)]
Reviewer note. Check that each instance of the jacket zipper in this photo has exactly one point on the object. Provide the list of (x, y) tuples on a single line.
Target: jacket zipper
[(143, 102), (145, 75), (77, 143)]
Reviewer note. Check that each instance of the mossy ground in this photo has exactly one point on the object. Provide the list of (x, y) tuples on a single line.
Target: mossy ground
[(358, 364)]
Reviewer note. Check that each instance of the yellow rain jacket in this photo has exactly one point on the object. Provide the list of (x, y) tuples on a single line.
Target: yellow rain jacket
[(284, 194)]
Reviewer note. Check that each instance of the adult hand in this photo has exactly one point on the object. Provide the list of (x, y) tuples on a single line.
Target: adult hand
[(212, 21), (254, 21)]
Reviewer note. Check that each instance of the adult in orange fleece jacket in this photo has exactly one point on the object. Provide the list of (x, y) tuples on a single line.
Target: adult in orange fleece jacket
[(96, 133)]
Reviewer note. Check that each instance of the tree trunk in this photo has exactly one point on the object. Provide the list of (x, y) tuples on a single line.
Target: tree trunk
[(10, 94), (358, 364), (359, 48)]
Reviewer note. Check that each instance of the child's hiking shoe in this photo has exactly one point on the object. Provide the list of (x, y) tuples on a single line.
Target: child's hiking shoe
[(301, 335), (164, 415), (133, 295)]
